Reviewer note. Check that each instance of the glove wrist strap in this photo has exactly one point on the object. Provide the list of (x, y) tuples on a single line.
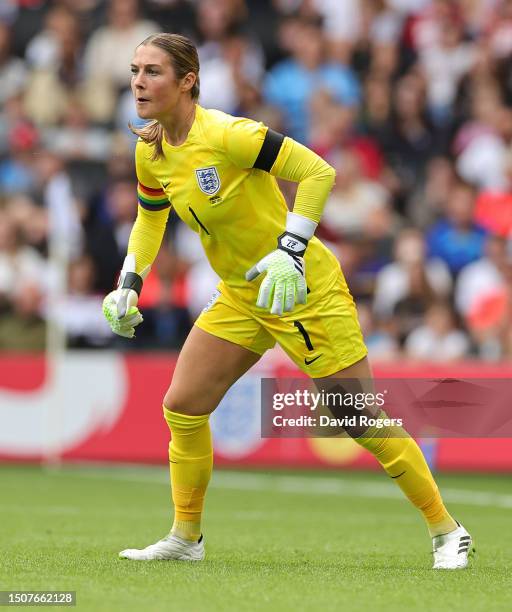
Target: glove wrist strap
[(293, 244), (300, 225), (131, 280)]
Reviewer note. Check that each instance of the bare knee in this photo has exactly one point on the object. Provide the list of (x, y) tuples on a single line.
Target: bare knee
[(185, 401), (176, 402)]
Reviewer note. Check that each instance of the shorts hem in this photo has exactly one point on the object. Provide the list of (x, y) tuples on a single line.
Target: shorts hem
[(227, 337)]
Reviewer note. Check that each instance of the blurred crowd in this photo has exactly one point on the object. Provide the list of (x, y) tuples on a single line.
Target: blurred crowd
[(410, 100)]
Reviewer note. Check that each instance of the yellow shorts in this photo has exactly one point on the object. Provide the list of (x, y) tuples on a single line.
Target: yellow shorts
[(321, 337)]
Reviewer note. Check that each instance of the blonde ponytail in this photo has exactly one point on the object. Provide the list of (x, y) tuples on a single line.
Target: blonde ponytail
[(152, 134)]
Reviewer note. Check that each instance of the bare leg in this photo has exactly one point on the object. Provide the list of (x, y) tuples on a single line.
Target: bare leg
[(207, 367)]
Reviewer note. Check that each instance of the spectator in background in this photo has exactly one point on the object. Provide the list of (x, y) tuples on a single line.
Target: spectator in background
[(31, 221), (252, 105), (410, 142), (292, 82), (44, 50), (376, 107), (17, 171), (166, 302), (263, 19), (380, 31), (355, 256), (493, 207), (200, 280), (218, 88), (9, 10), (109, 51), (228, 58), (356, 204), (430, 198), (438, 339), (90, 13), (80, 311), (444, 63), (410, 279), (380, 336), (55, 192), (22, 327), (484, 296), (334, 127), (331, 125), (425, 28), (20, 265), (490, 320), (76, 138), (456, 238), (174, 15), (59, 70), (479, 144), (109, 217), (499, 29), (122, 211), (13, 73), (341, 25), (482, 278)]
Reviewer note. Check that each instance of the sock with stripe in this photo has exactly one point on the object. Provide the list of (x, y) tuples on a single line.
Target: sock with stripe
[(404, 462), (191, 463)]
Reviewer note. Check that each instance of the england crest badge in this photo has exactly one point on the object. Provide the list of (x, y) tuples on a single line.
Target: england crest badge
[(208, 180)]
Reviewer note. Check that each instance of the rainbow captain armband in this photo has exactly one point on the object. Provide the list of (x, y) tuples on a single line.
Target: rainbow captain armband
[(152, 199)]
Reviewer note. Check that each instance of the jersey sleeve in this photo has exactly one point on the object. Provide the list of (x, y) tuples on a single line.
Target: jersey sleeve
[(243, 139), (150, 194), (250, 144), (153, 211), (315, 177)]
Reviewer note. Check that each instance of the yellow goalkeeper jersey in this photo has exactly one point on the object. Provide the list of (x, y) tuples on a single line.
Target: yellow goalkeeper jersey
[(221, 183)]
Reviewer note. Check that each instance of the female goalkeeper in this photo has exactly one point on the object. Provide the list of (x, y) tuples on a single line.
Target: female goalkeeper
[(279, 283)]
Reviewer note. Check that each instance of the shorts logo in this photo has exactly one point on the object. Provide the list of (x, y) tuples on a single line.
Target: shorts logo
[(208, 180), (212, 300), (310, 361)]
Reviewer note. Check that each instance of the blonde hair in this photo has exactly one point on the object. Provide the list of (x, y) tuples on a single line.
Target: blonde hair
[(184, 59)]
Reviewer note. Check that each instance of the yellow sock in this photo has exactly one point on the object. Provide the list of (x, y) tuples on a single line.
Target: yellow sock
[(404, 462), (191, 463)]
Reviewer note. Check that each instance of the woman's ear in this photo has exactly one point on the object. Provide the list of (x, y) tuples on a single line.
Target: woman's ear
[(188, 81)]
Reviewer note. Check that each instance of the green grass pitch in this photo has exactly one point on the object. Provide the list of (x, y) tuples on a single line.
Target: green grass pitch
[(276, 542)]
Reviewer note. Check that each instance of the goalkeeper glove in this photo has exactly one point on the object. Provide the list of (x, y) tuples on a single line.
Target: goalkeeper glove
[(120, 306), (285, 282)]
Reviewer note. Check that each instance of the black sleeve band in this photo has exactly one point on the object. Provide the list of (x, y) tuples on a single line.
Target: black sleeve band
[(132, 281), (269, 150)]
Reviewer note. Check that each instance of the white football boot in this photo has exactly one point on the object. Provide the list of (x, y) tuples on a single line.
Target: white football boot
[(452, 550), (171, 547)]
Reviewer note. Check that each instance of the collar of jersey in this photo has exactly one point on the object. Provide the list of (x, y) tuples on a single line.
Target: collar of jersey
[(190, 135)]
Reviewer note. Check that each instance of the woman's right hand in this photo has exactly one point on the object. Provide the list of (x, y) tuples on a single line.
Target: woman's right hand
[(120, 306)]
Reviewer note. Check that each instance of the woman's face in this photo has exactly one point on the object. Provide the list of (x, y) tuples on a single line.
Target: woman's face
[(154, 84)]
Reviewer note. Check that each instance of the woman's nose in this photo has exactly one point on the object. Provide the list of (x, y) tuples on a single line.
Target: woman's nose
[(138, 81)]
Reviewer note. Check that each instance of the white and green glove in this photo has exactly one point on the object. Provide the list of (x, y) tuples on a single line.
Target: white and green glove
[(120, 306), (285, 282)]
